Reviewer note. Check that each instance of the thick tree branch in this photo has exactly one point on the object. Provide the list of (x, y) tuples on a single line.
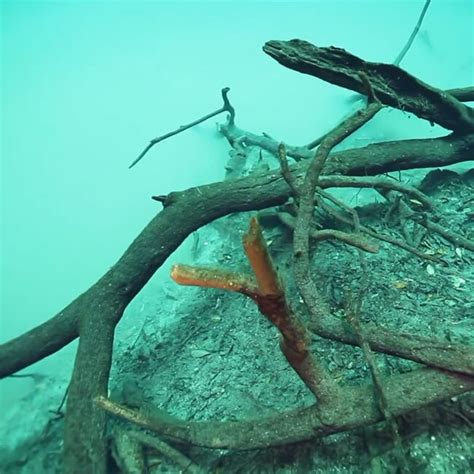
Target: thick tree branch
[(422, 349), (171, 226), (392, 85), (463, 94), (304, 219), (96, 312), (374, 159), (405, 392)]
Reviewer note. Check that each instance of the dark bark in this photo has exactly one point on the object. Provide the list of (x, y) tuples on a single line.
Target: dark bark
[(41, 341), (85, 443), (392, 85), (95, 313), (464, 94), (453, 357), (196, 207), (405, 392)]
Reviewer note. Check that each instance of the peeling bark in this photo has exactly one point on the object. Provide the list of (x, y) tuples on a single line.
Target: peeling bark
[(392, 85)]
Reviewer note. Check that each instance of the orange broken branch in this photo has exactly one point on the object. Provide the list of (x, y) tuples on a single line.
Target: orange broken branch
[(260, 261), (265, 289), (214, 278)]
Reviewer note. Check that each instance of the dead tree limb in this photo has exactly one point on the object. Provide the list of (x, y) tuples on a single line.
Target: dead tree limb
[(352, 239), (226, 107), (392, 85), (171, 226), (94, 315), (266, 290), (304, 219), (463, 94), (405, 392), (422, 349), (411, 153)]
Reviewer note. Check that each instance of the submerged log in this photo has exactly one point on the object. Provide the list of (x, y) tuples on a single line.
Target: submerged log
[(392, 85)]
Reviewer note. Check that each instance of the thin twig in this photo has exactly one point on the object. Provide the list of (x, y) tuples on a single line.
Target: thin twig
[(342, 205), (164, 448), (385, 238), (304, 281), (63, 401), (285, 171), (407, 46), (227, 107), (406, 213), (397, 61), (379, 390)]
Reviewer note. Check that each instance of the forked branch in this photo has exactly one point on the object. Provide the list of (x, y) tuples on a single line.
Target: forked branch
[(269, 295)]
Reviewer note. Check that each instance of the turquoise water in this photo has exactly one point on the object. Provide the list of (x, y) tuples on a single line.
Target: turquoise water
[(85, 85)]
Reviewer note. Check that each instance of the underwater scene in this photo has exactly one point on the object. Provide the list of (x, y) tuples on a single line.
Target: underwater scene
[(237, 237)]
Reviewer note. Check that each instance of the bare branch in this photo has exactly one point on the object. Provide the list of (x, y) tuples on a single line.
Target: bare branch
[(405, 392), (412, 37), (392, 85), (164, 448), (188, 210), (227, 107), (325, 234), (305, 284), (272, 303)]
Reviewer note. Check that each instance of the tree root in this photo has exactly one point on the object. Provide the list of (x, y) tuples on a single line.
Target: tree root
[(405, 392)]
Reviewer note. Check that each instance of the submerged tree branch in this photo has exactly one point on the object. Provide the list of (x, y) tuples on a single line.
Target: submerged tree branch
[(270, 297), (425, 350), (392, 85), (375, 158), (304, 219), (405, 392), (96, 312), (188, 210), (463, 94), (412, 37), (226, 107)]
